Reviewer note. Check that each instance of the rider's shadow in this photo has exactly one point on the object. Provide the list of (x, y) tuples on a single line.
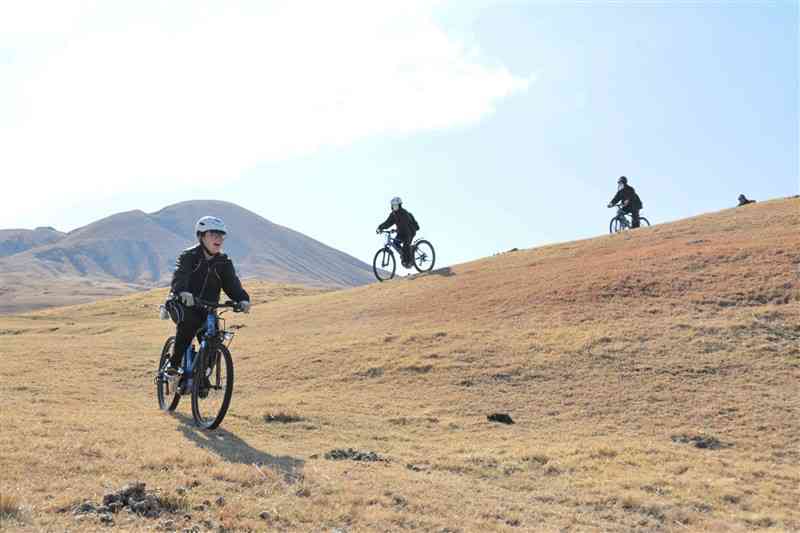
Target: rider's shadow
[(232, 449)]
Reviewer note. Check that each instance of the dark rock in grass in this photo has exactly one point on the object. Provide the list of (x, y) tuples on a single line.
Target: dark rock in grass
[(282, 418), (353, 455), (85, 508), (132, 491), (503, 418), (700, 441), (149, 506), (111, 497)]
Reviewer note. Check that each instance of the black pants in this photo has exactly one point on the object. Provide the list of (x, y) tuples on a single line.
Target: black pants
[(634, 215), (406, 241), (193, 320)]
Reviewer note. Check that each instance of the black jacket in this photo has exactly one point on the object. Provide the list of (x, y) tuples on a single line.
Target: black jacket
[(405, 222), (205, 277), (628, 196)]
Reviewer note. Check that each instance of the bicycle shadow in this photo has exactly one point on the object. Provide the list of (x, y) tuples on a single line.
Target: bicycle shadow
[(233, 449), (445, 272)]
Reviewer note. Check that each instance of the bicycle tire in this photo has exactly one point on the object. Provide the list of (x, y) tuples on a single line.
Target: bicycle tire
[(221, 355), (162, 385), (615, 226), (424, 256), (384, 257), (643, 220)]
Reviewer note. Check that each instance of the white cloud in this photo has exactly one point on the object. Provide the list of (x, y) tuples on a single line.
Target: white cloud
[(133, 95)]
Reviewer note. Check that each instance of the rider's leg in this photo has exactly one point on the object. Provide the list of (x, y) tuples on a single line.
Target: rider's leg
[(193, 320), (407, 240), (635, 217)]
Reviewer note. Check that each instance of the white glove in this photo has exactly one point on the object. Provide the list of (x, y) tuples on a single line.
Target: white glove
[(244, 305), (187, 299)]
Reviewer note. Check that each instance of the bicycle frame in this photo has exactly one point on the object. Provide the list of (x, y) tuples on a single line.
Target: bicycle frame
[(391, 242)]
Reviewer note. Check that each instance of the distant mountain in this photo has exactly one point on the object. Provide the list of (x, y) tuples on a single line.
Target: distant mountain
[(134, 249), (14, 241)]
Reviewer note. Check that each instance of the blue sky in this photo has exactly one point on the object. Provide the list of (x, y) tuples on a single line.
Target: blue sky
[(501, 124)]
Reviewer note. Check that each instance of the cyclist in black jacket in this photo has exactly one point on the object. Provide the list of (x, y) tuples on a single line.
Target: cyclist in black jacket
[(631, 203), (201, 272), (406, 225)]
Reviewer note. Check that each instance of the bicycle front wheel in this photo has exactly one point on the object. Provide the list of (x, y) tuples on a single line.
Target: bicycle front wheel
[(384, 264), (424, 256), (615, 226), (212, 386), (166, 391)]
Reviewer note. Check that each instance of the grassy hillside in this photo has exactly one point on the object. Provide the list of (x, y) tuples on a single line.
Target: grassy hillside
[(653, 378)]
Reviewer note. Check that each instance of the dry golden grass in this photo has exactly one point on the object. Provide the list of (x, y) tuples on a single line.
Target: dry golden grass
[(604, 352)]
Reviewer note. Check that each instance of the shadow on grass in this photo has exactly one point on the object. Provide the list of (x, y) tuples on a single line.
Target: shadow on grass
[(445, 272), (235, 450)]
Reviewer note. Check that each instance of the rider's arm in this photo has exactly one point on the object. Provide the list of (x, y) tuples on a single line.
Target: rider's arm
[(387, 223), (183, 271), (617, 197), (231, 283)]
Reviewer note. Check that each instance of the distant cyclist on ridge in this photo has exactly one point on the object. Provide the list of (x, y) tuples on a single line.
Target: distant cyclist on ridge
[(406, 225), (631, 203)]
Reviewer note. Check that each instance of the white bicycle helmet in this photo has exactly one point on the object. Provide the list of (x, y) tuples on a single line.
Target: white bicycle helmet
[(396, 202), (209, 223)]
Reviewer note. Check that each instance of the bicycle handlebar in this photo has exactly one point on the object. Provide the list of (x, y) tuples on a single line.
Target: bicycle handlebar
[(388, 231), (216, 305)]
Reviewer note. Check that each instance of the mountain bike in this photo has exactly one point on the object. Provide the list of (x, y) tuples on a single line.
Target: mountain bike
[(384, 265), (623, 221), (206, 374)]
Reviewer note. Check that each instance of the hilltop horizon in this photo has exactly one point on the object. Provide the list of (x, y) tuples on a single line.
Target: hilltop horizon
[(650, 376)]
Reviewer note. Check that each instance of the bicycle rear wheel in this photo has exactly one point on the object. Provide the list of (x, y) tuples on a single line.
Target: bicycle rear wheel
[(166, 391), (212, 386), (384, 264), (643, 221), (424, 256)]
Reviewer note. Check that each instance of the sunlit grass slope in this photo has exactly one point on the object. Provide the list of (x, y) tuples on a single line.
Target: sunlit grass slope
[(610, 355)]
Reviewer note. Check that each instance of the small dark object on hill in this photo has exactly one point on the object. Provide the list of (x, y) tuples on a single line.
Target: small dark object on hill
[(282, 418), (743, 200), (699, 441), (503, 418), (354, 455)]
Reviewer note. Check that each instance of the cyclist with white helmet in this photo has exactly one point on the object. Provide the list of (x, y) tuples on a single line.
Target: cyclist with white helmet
[(406, 226), (201, 272)]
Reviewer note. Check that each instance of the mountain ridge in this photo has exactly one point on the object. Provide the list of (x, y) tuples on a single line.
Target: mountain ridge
[(137, 250)]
